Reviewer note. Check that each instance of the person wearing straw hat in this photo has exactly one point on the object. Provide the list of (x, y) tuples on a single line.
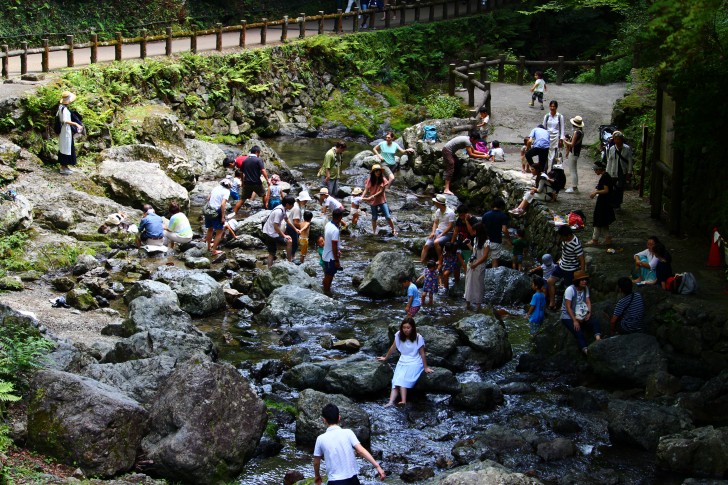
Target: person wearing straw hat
[(296, 218), (66, 147), (573, 149), (356, 196), (375, 194), (576, 310)]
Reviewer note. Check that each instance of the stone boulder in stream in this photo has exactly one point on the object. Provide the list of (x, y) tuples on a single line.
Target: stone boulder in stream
[(309, 424), (643, 423), (699, 452), (381, 278), (478, 396), (199, 294), (627, 359), (482, 473), (149, 313), (284, 273), (158, 342), (358, 377), (506, 286), (136, 183), (138, 379), (205, 423), (292, 305), (82, 422), (487, 335)]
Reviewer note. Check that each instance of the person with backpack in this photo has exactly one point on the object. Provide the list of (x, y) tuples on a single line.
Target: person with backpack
[(603, 210), (619, 166), (538, 145), (65, 127), (553, 121), (573, 150)]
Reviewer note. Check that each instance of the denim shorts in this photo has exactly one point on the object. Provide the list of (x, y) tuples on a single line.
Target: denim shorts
[(383, 208)]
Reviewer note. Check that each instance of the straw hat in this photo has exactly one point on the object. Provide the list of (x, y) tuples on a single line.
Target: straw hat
[(580, 275), (577, 121), (323, 191), (356, 191), (440, 199), (67, 97), (376, 166)]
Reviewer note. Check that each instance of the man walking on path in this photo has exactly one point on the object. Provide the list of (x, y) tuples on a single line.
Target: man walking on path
[(252, 168), (337, 446), (331, 168), (619, 166), (331, 249)]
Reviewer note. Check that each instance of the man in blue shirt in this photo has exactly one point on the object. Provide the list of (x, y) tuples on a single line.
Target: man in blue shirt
[(539, 143), (151, 228)]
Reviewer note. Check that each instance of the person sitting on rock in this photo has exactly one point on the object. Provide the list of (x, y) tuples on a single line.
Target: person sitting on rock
[(542, 190), (151, 228), (576, 311), (630, 310), (178, 229)]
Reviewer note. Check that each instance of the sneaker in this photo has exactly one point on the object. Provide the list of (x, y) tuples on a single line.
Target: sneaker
[(65, 171), (569, 190), (530, 104), (541, 107)]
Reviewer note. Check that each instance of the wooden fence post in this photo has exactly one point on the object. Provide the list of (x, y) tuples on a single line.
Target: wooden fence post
[(24, 58), (502, 68), (264, 31), (387, 16), (456, 11), (451, 81), (321, 22), (521, 69), (444, 10), (468, 7), (243, 32), (5, 62), (479, 6), (284, 29), (218, 37), (168, 44), (417, 11), (560, 71), (488, 97), (302, 26), (143, 44), (339, 23), (69, 53), (355, 19), (483, 69), (372, 18), (471, 89), (94, 47), (193, 40), (431, 16), (598, 71), (402, 15), (46, 53), (117, 46)]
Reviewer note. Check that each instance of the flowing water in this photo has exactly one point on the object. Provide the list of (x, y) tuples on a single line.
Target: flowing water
[(429, 427)]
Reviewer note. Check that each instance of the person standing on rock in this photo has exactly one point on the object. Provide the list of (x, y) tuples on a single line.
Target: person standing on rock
[(151, 228), (496, 223), (475, 276), (451, 148), (332, 251), (296, 217), (331, 168), (273, 233), (553, 121), (215, 218), (375, 193), (443, 221), (619, 166), (252, 167), (572, 259), (66, 147), (573, 149), (336, 446)]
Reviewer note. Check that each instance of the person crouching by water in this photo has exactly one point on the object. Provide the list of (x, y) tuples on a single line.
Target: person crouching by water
[(411, 363), (151, 229), (336, 446), (273, 233), (215, 219), (178, 230), (576, 311)]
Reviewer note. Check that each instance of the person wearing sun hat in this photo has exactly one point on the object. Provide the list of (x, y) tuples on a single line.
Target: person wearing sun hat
[(573, 149), (576, 311), (356, 196), (443, 221), (603, 210), (375, 194), (66, 147), (296, 218), (328, 201)]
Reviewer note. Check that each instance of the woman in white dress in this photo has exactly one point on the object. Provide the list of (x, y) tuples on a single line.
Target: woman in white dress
[(412, 360), (66, 148)]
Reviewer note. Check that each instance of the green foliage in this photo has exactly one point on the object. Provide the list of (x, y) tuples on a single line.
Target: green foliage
[(61, 255), (6, 395), (12, 252), (612, 72), (443, 106), (21, 352)]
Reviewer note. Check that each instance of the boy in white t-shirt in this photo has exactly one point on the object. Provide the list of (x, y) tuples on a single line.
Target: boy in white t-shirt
[(538, 88), (496, 153)]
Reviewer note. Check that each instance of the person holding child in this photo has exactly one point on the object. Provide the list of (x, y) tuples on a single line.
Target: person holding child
[(412, 361), (413, 295), (576, 310)]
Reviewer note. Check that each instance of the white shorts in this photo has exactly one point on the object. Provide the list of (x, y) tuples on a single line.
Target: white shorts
[(496, 250)]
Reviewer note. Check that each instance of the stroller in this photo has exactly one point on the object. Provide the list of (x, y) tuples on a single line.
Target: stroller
[(605, 138)]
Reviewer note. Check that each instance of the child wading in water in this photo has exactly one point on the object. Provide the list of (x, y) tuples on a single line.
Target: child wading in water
[(452, 262), (303, 238), (431, 281), (413, 295), (320, 242), (355, 203), (275, 194), (520, 247), (538, 88), (535, 314)]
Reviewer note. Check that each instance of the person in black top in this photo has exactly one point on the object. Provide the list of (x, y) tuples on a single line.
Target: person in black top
[(603, 210), (496, 224), (252, 167), (463, 231)]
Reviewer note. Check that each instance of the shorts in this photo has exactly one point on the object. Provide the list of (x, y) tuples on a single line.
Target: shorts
[(303, 246), (449, 161), (153, 242), (537, 95), (271, 243), (215, 223), (413, 310), (518, 258), (496, 250), (330, 267), (234, 195), (383, 208), (274, 202), (347, 481), (566, 275), (249, 189), (439, 239)]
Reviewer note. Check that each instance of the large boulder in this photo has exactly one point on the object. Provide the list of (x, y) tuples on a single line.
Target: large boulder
[(642, 423), (484, 472), (149, 313), (358, 378), (205, 423), (150, 289), (486, 334), (440, 342), (309, 424), (298, 306), (273, 162), (699, 452), (173, 162), (506, 286), (136, 183), (381, 278), (478, 396), (627, 359), (305, 376), (84, 423), (284, 273), (440, 381), (158, 342), (199, 294), (205, 158), (15, 214), (138, 379)]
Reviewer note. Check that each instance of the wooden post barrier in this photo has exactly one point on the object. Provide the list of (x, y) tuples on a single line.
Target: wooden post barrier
[(645, 135), (264, 31), (118, 46), (218, 37), (598, 72), (321, 22), (417, 11), (94, 47), (243, 32), (402, 15), (284, 29), (483, 69), (5, 62), (372, 18), (339, 23), (193, 40), (451, 80), (143, 44), (46, 53), (502, 68), (24, 58), (560, 70), (302, 26), (387, 17), (468, 7), (471, 89), (431, 15), (168, 42), (69, 54), (521, 69), (355, 19), (456, 7), (488, 97), (444, 10)]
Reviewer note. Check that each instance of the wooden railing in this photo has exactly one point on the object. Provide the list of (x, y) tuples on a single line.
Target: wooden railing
[(422, 10)]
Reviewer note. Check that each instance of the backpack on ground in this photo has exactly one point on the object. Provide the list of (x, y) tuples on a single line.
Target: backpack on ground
[(430, 135), (684, 284), (559, 178), (576, 219), (481, 146)]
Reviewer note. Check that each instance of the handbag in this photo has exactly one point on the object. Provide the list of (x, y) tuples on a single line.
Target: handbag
[(209, 211)]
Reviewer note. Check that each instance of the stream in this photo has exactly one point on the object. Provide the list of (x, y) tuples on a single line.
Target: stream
[(424, 433)]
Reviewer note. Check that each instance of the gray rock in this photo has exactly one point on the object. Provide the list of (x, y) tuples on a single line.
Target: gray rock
[(557, 449), (15, 214), (627, 359), (198, 293), (478, 396), (440, 381), (381, 278), (298, 306), (205, 158), (197, 263), (244, 258), (150, 313), (642, 423), (305, 376), (173, 160), (661, 384), (205, 423), (284, 273), (69, 357), (158, 342), (163, 128), (484, 473), (506, 286), (150, 289), (81, 299), (699, 452), (82, 422), (138, 379), (309, 424), (441, 342), (62, 283), (84, 264), (358, 378), (486, 334), (517, 388)]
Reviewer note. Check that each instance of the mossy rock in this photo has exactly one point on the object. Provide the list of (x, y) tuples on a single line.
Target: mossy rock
[(81, 299), (11, 283)]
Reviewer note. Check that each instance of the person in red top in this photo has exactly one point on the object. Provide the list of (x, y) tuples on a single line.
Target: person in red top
[(374, 193)]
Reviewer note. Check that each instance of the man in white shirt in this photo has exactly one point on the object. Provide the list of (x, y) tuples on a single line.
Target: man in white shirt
[(442, 225), (273, 232), (337, 446), (328, 201), (331, 249)]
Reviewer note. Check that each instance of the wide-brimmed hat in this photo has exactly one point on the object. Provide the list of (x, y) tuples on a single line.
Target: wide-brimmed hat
[(227, 183), (618, 134), (67, 97), (356, 191), (303, 196), (376, 166), (580, 275), (114, 219), (577, 121), (323, 191), (275, 178), (440, 199)]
